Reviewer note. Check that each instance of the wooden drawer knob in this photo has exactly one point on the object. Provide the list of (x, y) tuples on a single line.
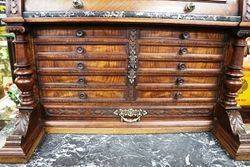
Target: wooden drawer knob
[(185, 35), (177, 95), (80, 66), (80, 33), (179, 81), (80, 50), (83, 95), (183, 51), (181, 66), (78, 4), (189, 7)]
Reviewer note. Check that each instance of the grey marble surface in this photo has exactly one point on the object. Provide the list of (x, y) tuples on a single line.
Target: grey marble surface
[(175, 150), (129, 14)]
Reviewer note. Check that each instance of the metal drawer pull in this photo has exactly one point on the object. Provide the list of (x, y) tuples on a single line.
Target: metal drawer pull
[(181, 66), (179, 81), (130, 115), (78, 4), (83, 95), (189, 7), (177, 95), (183, 51), (80, 50), (80, 66), (80, 33), (185, 35), (82, 81)]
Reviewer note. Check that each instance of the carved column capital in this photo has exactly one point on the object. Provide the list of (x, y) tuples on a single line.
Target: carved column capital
[(17, 29)]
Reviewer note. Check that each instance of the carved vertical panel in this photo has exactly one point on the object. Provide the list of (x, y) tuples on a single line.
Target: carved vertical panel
[(133, 57), (132, 63)]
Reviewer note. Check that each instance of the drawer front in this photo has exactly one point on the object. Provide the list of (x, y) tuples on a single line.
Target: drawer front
[(215, 7), (84, 95), (82, 81), (81, 65), (81, 49), (90, 111)]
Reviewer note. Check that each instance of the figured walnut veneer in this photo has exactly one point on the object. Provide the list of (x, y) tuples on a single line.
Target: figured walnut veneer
[(171, 72)]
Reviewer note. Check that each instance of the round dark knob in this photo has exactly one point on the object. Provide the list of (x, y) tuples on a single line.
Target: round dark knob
[(179, 81), (80, 66), (80, 33), (82, 95), (177, 95), (181, 66), (80, 50), (82, 81), (183, 51), (189, 7), (185, 35), (78, 4)]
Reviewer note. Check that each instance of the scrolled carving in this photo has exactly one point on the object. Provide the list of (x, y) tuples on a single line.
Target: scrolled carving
[(133, 58), (243, 33), (247, 14), (236, 122)]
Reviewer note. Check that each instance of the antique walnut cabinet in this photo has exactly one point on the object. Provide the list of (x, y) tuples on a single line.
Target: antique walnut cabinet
[(128, 67)]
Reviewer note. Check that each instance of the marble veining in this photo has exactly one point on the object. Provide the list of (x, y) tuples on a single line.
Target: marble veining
[(130, 14), (164, 150)]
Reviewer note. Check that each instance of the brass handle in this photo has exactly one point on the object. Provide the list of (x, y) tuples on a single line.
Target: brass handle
[(130, 115), (179, 81), (80, 66), (183, 51), (80, 50), (185, 35), (189, 7), (78, 4), (181, 66), (177, 95), (80, 33), (83, 95)]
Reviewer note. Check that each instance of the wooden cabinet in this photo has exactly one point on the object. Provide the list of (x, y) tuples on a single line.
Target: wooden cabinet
[(128, 67)]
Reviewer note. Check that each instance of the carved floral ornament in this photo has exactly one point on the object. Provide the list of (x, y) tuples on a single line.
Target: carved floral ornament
[(236, 122), (13, 7), (133, 58)]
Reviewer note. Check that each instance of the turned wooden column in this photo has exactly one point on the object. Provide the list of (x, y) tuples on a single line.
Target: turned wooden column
[(229, 126), (234, 74), (24, 79)]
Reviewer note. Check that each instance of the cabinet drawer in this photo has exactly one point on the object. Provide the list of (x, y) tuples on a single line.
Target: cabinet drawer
[(80, 65), (92, 111), (178, 65), (214, 7), (80, 32), (185, 34), (73, 95), (81, 81), (80, 49), (176, 95)]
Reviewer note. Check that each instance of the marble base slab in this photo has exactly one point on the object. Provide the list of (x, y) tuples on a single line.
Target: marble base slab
[(165, 150)]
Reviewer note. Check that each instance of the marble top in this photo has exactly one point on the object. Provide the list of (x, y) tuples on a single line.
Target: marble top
[(129, 14)]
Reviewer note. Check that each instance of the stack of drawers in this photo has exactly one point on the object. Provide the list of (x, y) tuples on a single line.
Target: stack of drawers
[(89, 72)]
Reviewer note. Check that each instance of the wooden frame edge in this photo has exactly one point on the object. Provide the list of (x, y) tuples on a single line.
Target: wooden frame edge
[(23, 159)]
